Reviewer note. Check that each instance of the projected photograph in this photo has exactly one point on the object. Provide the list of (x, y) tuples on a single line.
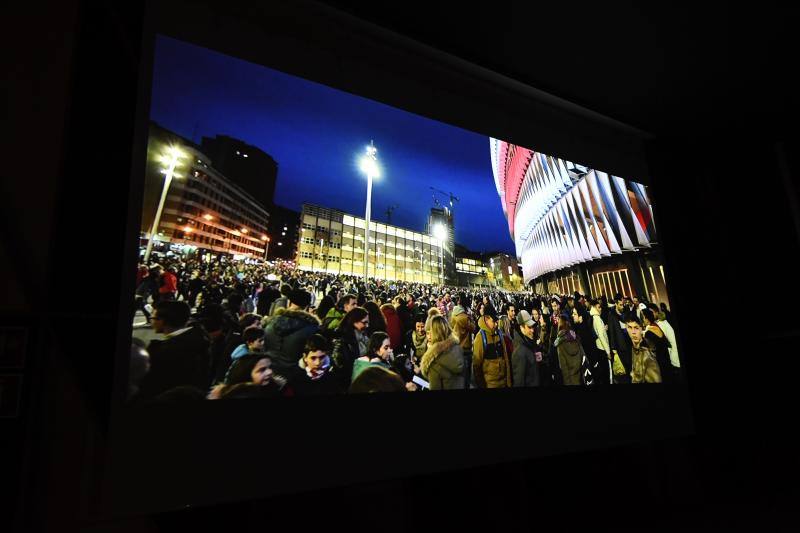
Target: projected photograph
[(299, 240)]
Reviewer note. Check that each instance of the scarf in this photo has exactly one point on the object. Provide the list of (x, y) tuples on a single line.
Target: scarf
[(363, 342), (321, 371), (420, 342)]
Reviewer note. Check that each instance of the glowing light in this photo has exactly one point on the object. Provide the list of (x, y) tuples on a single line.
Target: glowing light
[(244, 230), (264, 238), (440, 232), (187, 229), (207, 217)]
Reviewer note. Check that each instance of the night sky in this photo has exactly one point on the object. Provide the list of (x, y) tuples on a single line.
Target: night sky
[(317, 135)]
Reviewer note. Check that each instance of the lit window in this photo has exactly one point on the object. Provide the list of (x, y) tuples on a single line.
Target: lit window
[(245, 155), (280, 244), (237, 152), (283, 233)]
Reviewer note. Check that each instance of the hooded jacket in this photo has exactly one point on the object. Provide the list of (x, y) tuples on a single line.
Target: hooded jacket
[(462, 328), (525, 370), (285, 335), (394, 327), (490, 366), (570, 357), (443, 365)]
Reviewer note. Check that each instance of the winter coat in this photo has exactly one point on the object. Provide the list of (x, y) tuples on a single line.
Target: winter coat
[(346, 350), (169, 283), (332, 319), (443, 365), (462, 327), (570, 357), (491, 365), (659, 345), (674, 358), (600, 331), (280, 303), (393, 327), (182, 359), (619, 339), (285, 337), (644, 365), (525, 369), (265, 299), (302, 384), (506, 325), (240, 351)]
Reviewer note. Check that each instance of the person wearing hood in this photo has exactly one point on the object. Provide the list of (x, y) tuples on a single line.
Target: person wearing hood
[(524, 367), (314, 375), (463, 328), (287, 332), (443, 363), (569, 352), (490, 356)]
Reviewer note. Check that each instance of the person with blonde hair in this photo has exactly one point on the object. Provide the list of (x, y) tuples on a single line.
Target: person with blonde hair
[(443, 362)]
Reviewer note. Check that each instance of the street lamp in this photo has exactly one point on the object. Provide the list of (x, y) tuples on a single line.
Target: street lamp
[(441, 235), (171, 158), (369, 165)]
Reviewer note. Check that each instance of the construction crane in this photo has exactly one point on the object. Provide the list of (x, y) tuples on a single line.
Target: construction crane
[(389, 211), (449, 195)]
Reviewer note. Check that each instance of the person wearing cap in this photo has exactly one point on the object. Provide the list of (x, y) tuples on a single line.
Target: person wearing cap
[(524, 368), (491, 366), (286, 333)]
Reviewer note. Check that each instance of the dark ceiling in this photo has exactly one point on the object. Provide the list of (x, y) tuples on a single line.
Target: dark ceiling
[(662, 68)]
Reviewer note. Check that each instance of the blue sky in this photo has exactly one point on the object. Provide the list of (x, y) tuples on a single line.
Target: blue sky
[(316, 134)]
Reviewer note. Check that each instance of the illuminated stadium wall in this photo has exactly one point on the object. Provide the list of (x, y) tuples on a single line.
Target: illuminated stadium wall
[(561, 215)]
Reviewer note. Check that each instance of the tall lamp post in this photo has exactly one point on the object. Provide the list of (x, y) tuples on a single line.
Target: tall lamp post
[(369, 165), (171, 158)]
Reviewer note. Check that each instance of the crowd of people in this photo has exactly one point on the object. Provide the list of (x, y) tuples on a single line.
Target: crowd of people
[(234, 330)]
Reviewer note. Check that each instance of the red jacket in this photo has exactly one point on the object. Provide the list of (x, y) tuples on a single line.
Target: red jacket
[(393, 327), (170, 283)]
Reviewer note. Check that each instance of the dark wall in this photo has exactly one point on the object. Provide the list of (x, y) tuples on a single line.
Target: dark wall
[(729, 178)]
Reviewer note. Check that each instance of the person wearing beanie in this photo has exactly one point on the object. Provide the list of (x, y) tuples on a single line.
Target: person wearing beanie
[(287, 332)]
